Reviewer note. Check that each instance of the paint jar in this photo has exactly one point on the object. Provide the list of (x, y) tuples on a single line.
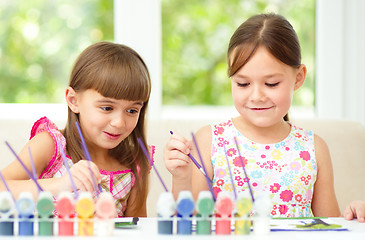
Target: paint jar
[(7, 212), (166, 208), (185, 208), (85, 209), (105, 212), (243, 209), (262, 206), (25, 206), (224, 206), (65, 208), (204, 208), (45, 207)]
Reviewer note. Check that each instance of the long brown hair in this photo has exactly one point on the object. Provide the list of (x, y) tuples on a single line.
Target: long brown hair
[(115, 71), (271, 31)]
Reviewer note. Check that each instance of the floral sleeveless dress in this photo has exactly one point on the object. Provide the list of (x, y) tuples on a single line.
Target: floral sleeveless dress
[(119, 183), (286, 170)]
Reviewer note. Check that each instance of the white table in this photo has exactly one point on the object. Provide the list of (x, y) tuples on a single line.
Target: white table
[(147, 229)]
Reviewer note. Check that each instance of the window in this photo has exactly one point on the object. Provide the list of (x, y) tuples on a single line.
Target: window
[(40, 42), (195, 37)]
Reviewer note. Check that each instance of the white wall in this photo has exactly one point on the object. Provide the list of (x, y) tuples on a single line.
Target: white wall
[(340, 58)]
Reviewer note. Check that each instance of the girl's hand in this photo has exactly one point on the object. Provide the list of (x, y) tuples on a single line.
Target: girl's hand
[(355, 209), (82, 176), (176, 157)]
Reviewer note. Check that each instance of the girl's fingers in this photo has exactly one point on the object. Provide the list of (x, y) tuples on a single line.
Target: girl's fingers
[(95, 171), (80, 183), (178, 143), (347, 213), (355, 209), (176, 164), (177, 155), (81, 172)]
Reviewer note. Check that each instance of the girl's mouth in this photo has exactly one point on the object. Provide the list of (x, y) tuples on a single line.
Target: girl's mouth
[(260, 109), (112, 136)]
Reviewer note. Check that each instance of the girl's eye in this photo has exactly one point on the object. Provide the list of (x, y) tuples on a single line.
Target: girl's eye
[(242, 84), (132, 111), (106, 108), (272, 84)]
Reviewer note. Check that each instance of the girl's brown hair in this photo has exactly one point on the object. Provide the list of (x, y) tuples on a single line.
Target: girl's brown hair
[(271, 31), (115, 71)]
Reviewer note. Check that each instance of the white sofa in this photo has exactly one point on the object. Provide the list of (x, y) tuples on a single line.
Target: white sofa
[(346, 141)]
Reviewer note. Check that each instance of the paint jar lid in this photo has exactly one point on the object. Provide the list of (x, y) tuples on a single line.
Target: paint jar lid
[(166, 205), (263, 204), (45, 204), (205, 203), (85, 207), (243, 203), (65, 206), (105, 206), (25, 204), (224, 203), (185, 203), (7, 205)]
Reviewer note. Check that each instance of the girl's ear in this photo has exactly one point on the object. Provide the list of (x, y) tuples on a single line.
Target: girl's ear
[(300, 77), (71, 99)]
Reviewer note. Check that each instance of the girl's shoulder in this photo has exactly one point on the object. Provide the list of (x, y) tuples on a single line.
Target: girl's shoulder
[(45, 125), (41, 125), (223, 128), (221, 124), (301, 133)]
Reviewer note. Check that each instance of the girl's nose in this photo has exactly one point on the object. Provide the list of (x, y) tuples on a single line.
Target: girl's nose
[(117, 121), (257, 94)]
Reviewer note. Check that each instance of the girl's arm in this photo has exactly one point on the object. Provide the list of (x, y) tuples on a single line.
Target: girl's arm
[(43, 148), (324, 202), (142, 210)]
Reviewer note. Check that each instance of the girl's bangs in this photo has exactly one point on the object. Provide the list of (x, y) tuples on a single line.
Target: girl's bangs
[(239, 56), (128, 81)]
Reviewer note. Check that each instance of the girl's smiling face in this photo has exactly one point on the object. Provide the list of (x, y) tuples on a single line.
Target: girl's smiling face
[(262, 89), (105, 122)]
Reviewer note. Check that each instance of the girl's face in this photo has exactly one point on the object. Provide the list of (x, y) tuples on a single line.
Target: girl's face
[(105, 122), (263, 88)]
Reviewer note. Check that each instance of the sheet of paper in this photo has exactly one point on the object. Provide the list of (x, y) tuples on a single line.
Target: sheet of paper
[(305, 224)]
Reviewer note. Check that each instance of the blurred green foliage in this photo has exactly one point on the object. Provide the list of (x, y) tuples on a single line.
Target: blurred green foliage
[(40, 40), (195, 40)]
